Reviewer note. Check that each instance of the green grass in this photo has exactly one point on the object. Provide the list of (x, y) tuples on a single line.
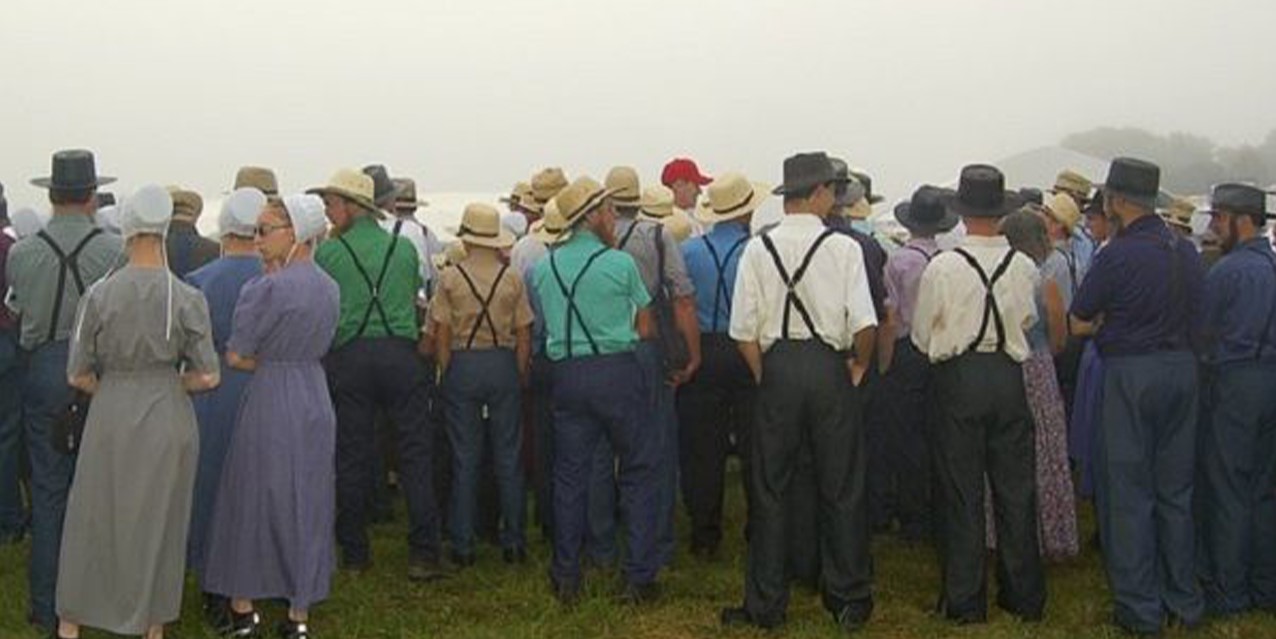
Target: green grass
[(498, 601)]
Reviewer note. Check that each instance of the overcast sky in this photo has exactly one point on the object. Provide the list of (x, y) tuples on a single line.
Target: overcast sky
[(475, 95)]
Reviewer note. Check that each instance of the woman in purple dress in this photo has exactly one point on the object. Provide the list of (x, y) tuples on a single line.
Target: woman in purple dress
[(272, 529)]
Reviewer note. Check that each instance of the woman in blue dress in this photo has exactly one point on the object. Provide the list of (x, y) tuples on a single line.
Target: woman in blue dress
[(272, 530), (221, 281)]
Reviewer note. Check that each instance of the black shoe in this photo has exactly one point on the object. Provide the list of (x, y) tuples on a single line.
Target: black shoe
[(289, 629), (853, 618), (514, 555), (241, 625), (427, 570), (462, 560), (735, 617), (568, 595), (639, 594)]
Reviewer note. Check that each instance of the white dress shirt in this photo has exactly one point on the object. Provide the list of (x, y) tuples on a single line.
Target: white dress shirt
[(834, 288), (427, 245), (950, 301)]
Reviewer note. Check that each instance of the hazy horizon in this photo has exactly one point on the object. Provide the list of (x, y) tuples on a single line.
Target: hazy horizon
[(476, 96)]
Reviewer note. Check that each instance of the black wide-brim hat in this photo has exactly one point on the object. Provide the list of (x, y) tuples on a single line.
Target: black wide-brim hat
[(927, 212), (385, 191), (1134, 179), (982, 193), (806, 170), (73, 170)]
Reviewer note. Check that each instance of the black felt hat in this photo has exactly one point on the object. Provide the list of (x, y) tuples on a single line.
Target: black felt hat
[(806, 170), (927, 213), (1239, 198), (73, 170), (1135, 179), (384, 190), (982, 193)]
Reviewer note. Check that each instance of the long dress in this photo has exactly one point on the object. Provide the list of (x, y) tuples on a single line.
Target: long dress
[(220, 281), (124, 540), (272, 532)]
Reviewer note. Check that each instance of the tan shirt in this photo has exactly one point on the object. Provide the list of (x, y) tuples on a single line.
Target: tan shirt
[(456, 305)]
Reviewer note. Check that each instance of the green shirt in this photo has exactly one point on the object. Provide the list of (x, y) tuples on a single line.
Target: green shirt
[(608, 296), (396, 315), (32, 271)]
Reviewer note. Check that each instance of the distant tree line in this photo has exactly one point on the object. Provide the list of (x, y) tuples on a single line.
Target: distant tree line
[(1190, 163)]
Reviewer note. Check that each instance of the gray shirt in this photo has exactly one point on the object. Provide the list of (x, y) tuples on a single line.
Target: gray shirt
[(32, 273), (641, 245)]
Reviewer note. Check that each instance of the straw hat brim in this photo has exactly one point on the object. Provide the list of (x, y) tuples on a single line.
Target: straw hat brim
[(504, 239), (597, 201), (547, 237), (357, 199), (706, 213)]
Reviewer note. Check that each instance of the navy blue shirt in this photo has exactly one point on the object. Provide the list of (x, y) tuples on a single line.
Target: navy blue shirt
[(712, 260), (1147, 285), (874, 260), (1240, 295)]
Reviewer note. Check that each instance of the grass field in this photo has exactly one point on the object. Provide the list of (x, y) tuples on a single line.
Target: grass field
[(497, 601)]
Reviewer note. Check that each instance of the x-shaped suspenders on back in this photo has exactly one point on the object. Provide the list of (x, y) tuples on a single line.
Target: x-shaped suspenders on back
[(485, 304), (990, 300), (791, 299), (570, 294), (374, 287), (721, 291), (66, 262)]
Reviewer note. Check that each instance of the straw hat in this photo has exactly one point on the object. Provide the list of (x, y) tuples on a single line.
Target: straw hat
[(1179, 213), (257, 177), (580, 198), (545, 185), (731, 196), (187, 205), (520, 192), (552, 228), (352, 185), (679, 226), (656, 202), (481, 226), (623, 181), (1069, 181), (1063, 209)]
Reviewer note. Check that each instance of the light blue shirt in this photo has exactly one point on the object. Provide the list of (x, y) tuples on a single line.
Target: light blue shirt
[(714, 277)]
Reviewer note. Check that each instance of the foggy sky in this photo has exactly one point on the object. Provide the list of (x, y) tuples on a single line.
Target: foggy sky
[(475, 95)]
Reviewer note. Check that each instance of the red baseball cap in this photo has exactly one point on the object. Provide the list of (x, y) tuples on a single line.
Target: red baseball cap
[(683, 169)]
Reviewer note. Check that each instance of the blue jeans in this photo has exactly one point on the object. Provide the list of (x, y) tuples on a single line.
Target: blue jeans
[(475, 379), (603, 397), (13, 514), (1146, 458), (45, 396)]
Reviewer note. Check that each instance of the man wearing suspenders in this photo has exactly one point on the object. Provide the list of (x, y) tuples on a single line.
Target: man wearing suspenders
[(1238, 443), (374, 365), (660, 264), (974, 305), (803, 320), (594, 304), (483, 343), (905, 381), (715, 408), (48, 273), (1143, 294)]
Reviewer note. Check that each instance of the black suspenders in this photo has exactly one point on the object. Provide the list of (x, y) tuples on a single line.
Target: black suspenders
[(624, 239), (570, 294), (990, 300), (721, 291), (66, 262), (374, 288), (791, 299), (485, 304), (920, 251)]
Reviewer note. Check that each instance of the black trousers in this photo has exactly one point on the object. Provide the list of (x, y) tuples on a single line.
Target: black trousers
[(806, 396), (984, 427), (904, 397), (715, 410), (385, 373)]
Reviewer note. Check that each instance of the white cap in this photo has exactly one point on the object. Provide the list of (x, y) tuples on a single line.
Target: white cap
[(309, 219), (108, 219), (26, 222), (240, 212), (148, 211)]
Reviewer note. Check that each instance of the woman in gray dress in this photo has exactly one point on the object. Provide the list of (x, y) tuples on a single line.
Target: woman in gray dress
[(142, 342), (272, 528)]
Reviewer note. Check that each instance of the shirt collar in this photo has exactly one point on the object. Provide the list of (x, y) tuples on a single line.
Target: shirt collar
[(730, 228), (1145, 224), (1259, 244), (927, 243), (583, 236), (979, 241), (69, 220), (801, 221)]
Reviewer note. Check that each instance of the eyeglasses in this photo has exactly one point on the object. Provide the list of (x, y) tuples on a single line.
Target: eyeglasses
[(262, 230)]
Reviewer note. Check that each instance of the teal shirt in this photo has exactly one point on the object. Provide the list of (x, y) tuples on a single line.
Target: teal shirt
[(609, 295), (398, 291)]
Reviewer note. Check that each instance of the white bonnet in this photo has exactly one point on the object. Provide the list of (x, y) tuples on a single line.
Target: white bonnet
[(240, 212), (308, 216), (149, 210)]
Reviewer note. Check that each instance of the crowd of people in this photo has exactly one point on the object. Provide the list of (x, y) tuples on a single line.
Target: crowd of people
[(238, 407)]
